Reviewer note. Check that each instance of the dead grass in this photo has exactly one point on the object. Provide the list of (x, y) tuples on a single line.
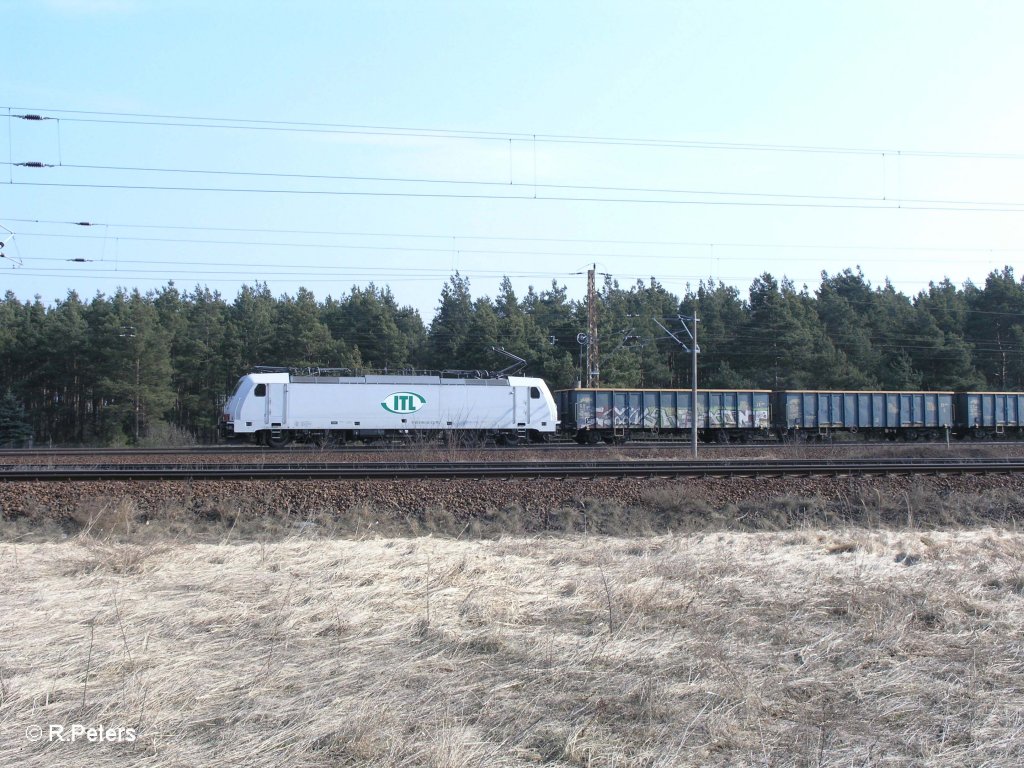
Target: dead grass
[(796, 648)]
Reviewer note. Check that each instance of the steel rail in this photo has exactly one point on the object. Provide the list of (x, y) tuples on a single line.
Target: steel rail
[(538, 469), (305, 450), (301, 449)]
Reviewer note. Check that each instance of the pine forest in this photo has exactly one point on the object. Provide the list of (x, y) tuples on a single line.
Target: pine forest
[(148, 368)]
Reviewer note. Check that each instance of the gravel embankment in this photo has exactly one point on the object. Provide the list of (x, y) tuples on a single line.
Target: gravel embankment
[(528, 504)]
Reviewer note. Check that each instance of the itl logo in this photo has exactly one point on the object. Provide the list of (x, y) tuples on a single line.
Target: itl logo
[(403, 402)]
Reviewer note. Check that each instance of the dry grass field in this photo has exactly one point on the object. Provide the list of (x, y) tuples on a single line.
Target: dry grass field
[(846, 647)]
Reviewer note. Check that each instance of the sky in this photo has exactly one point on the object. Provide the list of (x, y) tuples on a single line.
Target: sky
[(333, 144)]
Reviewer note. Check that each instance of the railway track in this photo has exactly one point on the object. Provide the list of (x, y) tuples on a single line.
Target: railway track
[(309, 450), (492, 470)]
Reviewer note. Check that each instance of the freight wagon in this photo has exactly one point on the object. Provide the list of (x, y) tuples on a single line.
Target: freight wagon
[(989, 414), (611, 415), (800, 414)]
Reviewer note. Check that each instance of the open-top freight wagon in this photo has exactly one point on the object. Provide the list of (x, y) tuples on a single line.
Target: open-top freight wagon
[(739, 415), (989, 414), (596, 415), (733, 415), (801, 414)]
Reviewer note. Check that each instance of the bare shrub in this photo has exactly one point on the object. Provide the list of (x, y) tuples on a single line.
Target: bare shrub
[(160, 434), (677, 508), (106, 516)]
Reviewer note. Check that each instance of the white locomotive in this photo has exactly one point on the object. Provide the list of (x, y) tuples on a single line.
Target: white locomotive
[(277, 406)]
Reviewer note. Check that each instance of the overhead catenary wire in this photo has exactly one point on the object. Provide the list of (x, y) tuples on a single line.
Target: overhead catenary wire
[(408, 248), (882, 205), (465, 250), (512, 190), (136, 118), (692, 196), (875, 200), (465, 237)]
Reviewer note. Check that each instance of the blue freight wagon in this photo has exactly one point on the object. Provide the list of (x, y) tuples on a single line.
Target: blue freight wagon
[(989, 414), (801, 414), (593, 415)]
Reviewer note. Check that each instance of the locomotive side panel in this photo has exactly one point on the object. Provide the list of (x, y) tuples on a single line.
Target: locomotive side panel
[(281, 407)]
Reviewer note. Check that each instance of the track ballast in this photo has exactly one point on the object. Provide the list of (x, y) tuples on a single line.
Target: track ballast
[(531, 469)]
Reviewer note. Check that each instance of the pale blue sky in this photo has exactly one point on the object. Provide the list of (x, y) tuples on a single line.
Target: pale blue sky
[(924, 99)]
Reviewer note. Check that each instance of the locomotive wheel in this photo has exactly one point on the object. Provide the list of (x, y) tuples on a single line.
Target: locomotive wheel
[(280, 441)]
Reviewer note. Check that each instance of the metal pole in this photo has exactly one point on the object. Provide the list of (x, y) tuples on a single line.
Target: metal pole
[(693, 428), (581, 339), (593, 364), (137, 364), (693, 349)]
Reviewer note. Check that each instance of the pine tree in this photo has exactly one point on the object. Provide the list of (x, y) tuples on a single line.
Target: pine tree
[(555, 346), (996, 311), (15, 429), (941, 353), (843, 305), (368, 320), (68, 371), (449, 332)]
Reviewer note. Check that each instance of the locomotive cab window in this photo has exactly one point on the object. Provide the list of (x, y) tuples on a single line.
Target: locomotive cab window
[(534, 393), (261, 390)]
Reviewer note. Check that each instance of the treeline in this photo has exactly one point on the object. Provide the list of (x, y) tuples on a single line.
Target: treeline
[(133, 367)]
